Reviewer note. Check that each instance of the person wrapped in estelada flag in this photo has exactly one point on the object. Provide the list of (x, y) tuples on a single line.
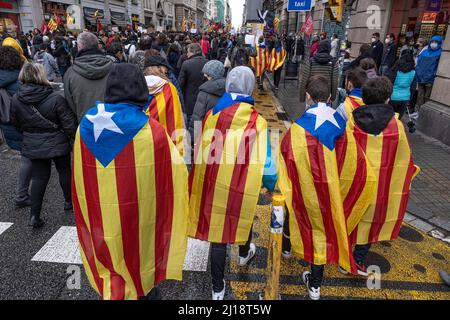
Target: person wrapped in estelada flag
[(314, 155), (381, 135), (354, 81), (164, 102), (130, 193), (260, 61), (232, 160)]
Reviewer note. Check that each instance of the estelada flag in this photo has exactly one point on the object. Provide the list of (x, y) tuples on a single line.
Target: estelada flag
[(259, 63), (226, 177), (130, 195), (390, 158), (277, 57), (165, 107), (352, 103), (309, 179)]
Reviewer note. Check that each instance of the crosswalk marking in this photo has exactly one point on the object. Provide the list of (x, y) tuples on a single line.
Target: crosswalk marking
[(4, 226), (63, 248)]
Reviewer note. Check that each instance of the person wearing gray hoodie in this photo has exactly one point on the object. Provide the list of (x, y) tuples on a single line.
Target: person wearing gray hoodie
[(209, 93), (85, 81)]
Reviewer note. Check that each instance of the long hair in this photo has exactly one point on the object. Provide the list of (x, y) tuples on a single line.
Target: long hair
[(406, 63), (33, 73)]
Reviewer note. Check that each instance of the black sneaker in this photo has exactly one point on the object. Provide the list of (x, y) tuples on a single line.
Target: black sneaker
[(36, 222), (22, 204), (314, 292)]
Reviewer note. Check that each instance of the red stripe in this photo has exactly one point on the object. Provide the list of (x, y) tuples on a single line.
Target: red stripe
[(404, 200), (95, 220), (238, 182), (85, 236), (388, 153), (341, 151), (164, 199), (127, 195), (153, 109), (358, 183), (319, 173), (355, 104), (298, 205), (170, 112), (212, 169)]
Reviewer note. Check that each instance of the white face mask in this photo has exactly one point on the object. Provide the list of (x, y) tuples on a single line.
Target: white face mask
[(433, 45), (374, 40), (387, 41)]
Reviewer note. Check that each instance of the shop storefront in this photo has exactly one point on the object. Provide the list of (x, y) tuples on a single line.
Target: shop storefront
[(56, 11), (9, 16), (90, 17), (118, 20)]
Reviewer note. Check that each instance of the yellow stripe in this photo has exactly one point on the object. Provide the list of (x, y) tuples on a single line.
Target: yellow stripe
[(145, 182), (109, 204), (178, 241), (178, 119), (373, 153), (161, 107)]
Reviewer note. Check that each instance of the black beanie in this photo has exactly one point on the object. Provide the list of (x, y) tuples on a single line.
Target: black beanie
[(126, 83)]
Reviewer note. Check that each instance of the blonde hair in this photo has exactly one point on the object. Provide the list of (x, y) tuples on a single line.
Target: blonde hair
[(157, 71), (33, 73)]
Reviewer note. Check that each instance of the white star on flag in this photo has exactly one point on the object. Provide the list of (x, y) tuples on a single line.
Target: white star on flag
[(323, 113), (103, 120)]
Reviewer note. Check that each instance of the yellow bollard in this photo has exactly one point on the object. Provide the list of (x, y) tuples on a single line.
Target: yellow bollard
[(274, 255)]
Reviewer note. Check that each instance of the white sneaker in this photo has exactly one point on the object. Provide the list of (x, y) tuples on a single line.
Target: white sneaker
[(251, 253), (414, 115), (361, 271), (342, 270), (314, 293), (286, 254), (219, 295)]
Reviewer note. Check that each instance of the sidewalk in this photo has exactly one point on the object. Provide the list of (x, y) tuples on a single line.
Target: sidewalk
[(429, 203)]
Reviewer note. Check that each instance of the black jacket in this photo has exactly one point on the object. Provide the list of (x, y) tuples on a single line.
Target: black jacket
[(373, 119), (40, 139), (190, 79), (389, 55), (209, 93), (377, 52)]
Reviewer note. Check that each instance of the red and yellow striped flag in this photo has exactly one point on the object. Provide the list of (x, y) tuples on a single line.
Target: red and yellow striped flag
[(277, 58), (259, 63), (165, 107), (352, 103), (309, 179), (52, 25), (226, 178), (130, 207), (390, 157)]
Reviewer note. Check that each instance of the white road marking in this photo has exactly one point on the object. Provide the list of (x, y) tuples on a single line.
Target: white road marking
[(63, 248), (4, 226), (197, 255)]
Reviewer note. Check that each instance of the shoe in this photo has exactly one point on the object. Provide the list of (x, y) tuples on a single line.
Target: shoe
[(286, 254), (359, 267), (22, 204), (445, 277), (219, 295), (414, 115), (314, 293), (251, 253), (68, 206), (36, 222)]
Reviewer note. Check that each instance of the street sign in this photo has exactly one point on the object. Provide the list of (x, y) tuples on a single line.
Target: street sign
[(299, 5)]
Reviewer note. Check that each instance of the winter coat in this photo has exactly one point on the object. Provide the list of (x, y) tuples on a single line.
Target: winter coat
[(40, 139), (402, 86), (321, 64), (209, 93), (190, 80), (85, 81), (313, 49), (428, 62), (389, 55), (62, 54), (334, 48), (49, 63), (9, 81), (377, 52)]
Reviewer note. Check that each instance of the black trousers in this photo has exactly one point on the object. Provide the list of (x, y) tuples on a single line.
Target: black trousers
[(399, 107), (40, 175), (360, 252), (218, 258), (277, 77)]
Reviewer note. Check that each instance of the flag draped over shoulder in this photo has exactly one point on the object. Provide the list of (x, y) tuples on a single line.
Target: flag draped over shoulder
[(310, 160), (259, 63), (277, 57), (390, 158), (165, 107), (352, 103), (226, 178), (130, 195)]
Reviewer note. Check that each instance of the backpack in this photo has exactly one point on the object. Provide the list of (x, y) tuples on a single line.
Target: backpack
[(5, 106), (241, 58)]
